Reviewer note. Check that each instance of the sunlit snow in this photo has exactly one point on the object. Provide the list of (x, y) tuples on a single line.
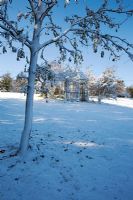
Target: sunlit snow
[(78, 151)]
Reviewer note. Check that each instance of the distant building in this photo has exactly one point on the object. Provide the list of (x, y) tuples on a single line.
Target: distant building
[(73, 83)]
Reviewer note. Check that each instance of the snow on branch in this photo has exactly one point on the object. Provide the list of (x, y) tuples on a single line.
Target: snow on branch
[(81, 30), (90, 29), (10, 27)]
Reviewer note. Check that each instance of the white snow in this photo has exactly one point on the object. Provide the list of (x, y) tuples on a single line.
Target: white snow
[(78, 151), (10, 95), (126, 102)]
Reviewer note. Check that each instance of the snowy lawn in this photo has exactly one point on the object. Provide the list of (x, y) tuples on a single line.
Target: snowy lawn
[(78, 151)]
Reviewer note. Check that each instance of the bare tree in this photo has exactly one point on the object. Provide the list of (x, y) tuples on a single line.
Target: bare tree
[(106, 84), (91, 82), (81, 31), (120, 88), (21, 82)]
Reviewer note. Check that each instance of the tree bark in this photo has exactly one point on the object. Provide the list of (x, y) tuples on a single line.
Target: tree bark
[(99, 99), (30, 93)]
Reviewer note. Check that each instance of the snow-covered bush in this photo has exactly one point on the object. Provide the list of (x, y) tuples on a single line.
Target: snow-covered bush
[(6, 82), (106, 84)]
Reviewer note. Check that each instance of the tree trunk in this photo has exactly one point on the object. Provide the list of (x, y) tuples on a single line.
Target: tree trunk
[(67, 92), (29, 106), (30, 94), (99, 99)]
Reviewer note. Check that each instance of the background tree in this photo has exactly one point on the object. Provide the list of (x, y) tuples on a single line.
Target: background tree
[(81, 30), (106, 85), (21, 83), (130, 91), (6, 82), (91, 82), (120, 88), (44, 78)]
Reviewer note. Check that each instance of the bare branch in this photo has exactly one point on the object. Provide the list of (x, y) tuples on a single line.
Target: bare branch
[(15, 33), (33, 8), (127, 12), (47, 9), (51, 41)]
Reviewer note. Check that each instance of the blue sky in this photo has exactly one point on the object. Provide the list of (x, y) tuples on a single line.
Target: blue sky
[(124, 66)]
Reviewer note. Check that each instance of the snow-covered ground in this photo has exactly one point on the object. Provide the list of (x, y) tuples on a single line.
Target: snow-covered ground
[(78, 151), (126, 102), (11, 95)]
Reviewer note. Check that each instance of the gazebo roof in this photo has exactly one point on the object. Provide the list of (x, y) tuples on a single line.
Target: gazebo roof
[(70, 74)]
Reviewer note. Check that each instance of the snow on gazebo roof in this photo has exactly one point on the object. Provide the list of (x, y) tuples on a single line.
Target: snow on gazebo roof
[(63, 73)]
